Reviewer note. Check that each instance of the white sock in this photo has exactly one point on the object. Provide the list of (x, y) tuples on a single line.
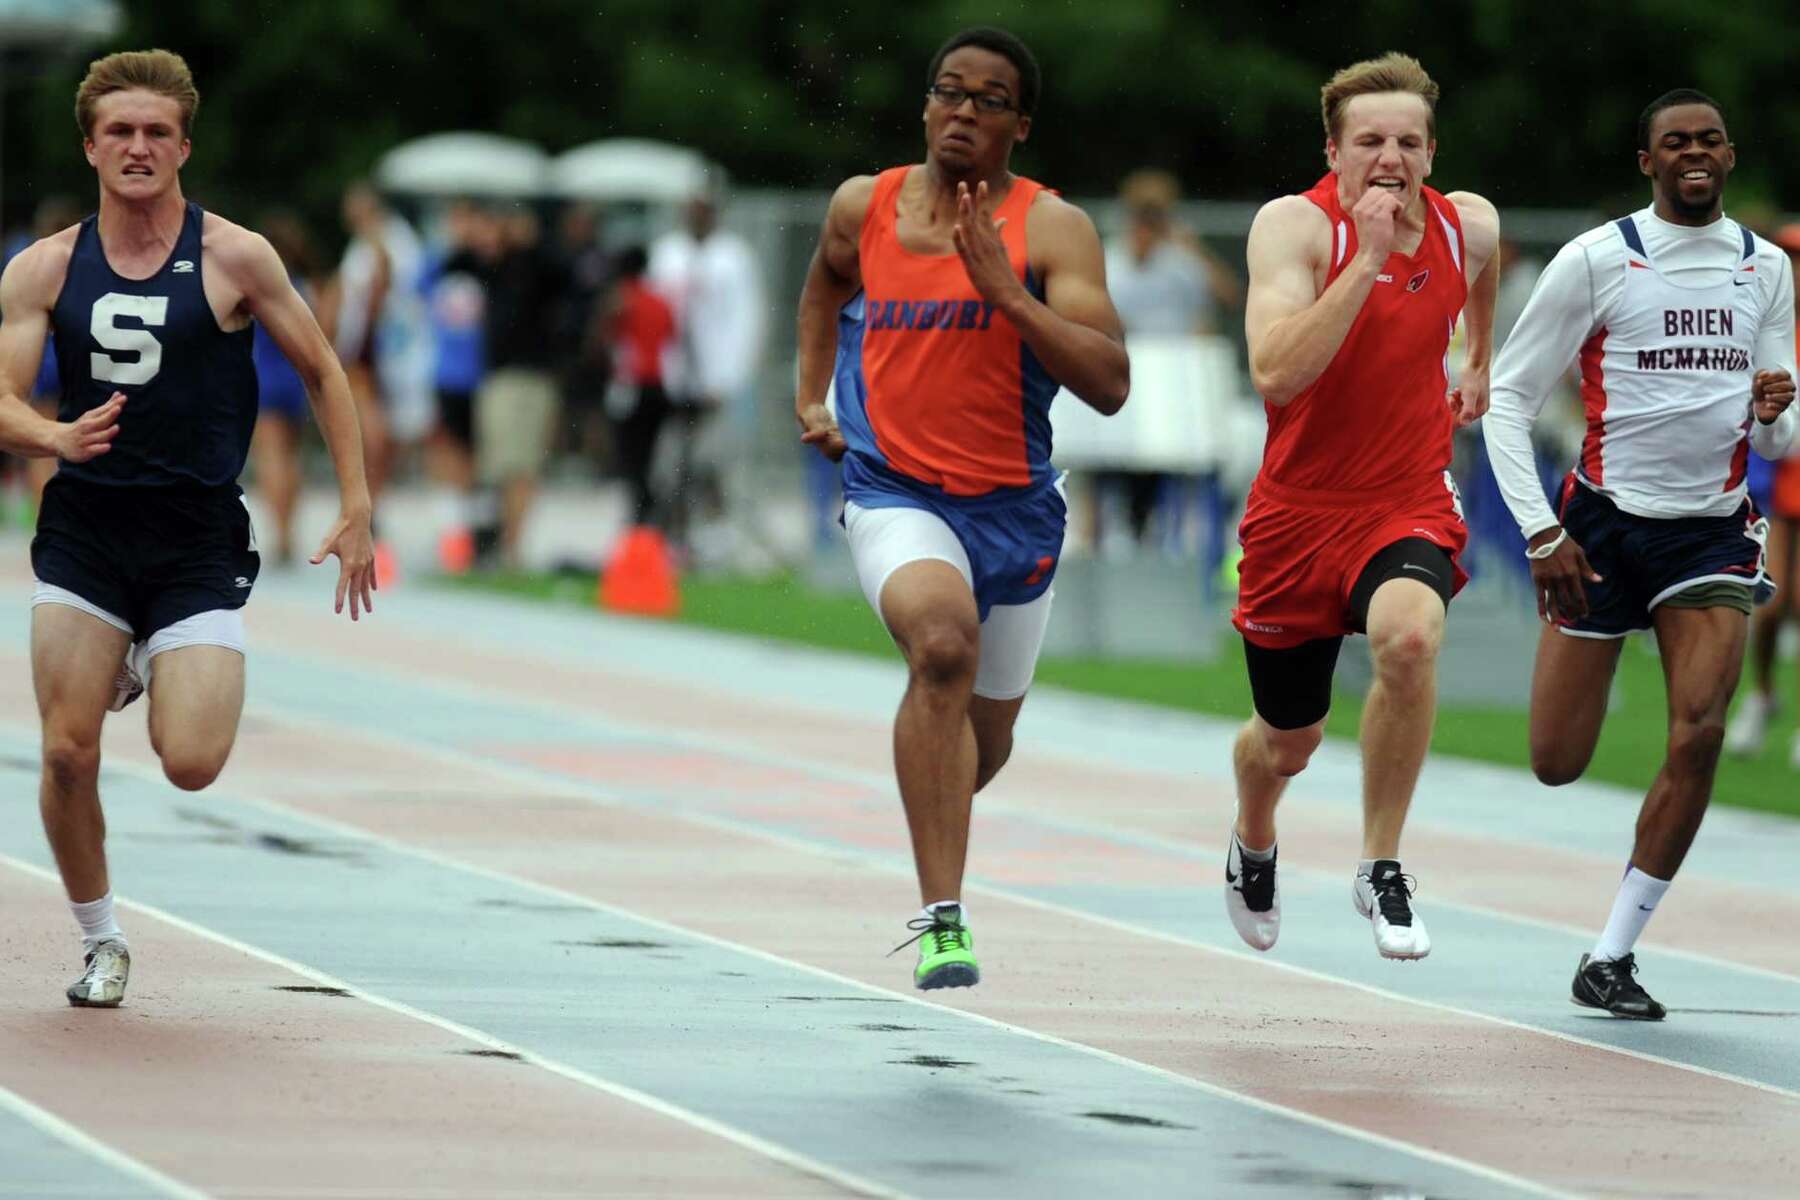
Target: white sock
[(1248, 854), (1637, 899), (929, 912), (96, 920)]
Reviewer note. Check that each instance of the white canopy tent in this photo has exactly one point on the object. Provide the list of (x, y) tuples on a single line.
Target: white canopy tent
[(630, 169), (465, 164)]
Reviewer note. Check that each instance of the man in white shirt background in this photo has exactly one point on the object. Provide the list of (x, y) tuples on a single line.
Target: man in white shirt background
[(711, 279), (1682, 323)]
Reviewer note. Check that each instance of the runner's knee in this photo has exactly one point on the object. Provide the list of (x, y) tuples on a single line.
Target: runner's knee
[(71, 762), (1287, 751), (1406, 649), (943, 653), (192, 768), (1694, 745), (191, 775), (1556, 765)]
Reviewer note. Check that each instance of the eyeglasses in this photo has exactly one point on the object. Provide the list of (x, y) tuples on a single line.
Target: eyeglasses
[(951, 96)]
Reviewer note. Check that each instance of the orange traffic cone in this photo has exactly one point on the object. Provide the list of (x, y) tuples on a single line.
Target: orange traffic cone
[(456, 550), (387, 568), (640, 576)]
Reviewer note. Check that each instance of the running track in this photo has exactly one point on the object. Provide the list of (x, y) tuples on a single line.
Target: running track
[(495, 901)]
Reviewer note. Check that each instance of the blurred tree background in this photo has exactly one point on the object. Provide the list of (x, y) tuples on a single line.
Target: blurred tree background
[(1539, 109)]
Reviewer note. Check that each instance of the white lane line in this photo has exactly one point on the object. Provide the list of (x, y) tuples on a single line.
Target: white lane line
[(91, 1146), (449, 862), (750, 752), (748, 1141), (540, 779), (413, 1193)]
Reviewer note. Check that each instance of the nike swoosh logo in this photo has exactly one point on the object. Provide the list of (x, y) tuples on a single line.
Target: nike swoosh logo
[(1420, 570), (1646, 908), (1742, 282), (1229, 877)]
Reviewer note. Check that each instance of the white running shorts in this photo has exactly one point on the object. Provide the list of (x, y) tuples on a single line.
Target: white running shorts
[(217, 627), (882, 540)]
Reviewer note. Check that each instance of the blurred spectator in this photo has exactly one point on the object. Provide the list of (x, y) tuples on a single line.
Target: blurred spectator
[(281, 398), (1494, 539), (380, 328), (1164, 282), (582, 361), (1775, 487), (516, 404), (456, 301), (640, 326), (710, 278), (1519, 273), (53, 214)]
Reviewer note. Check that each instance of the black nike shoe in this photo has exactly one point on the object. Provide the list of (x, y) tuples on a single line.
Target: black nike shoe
[(1252, 900), (1610, 985)]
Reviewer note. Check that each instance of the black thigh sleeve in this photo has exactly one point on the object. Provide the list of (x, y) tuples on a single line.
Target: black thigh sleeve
[(1408, 558), (1291, 688)]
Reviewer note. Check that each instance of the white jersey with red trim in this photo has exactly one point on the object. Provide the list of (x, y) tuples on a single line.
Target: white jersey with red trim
[(1667, 324)]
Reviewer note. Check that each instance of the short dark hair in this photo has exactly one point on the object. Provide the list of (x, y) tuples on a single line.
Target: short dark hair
[(1006, 46), (1673, 99)]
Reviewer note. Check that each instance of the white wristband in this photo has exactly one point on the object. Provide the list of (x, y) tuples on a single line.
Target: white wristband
[(1549, 547)]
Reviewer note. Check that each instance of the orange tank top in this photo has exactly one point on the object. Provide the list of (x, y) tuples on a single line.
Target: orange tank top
[(934, 384)]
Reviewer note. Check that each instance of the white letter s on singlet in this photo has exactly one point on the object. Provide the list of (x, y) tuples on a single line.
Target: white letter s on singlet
[(151, 310)]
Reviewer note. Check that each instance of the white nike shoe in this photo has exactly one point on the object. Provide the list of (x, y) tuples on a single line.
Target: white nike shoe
[(1384, 896), (1749, 726), (1252, 898), (102, 985), (128, 684)]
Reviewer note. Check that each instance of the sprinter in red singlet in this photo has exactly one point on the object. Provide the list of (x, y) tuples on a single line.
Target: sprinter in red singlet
[(955, 297), (1353, 524)]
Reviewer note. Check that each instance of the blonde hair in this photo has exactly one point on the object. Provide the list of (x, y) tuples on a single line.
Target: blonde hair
[(1392, 72), (161, 71)]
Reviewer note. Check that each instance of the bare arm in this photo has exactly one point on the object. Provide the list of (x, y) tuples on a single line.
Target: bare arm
[(1293, 330), (833, 278), (1481, 246), (1073, 331), (1076, 333), (269, 296), (27, 291)]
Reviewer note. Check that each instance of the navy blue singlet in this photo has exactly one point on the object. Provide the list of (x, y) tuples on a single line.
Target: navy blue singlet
[(190, 386)]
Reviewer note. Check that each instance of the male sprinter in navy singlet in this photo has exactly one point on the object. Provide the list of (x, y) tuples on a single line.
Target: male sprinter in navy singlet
[(144, 550)]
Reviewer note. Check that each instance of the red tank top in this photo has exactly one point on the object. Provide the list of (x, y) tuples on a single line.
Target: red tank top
[(952, 396), (1377, 420)]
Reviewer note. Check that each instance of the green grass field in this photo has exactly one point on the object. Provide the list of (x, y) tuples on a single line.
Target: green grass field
[(787, 609)]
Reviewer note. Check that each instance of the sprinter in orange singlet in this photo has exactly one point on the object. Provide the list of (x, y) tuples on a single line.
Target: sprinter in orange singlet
[(1353, 524), (955, 298)]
